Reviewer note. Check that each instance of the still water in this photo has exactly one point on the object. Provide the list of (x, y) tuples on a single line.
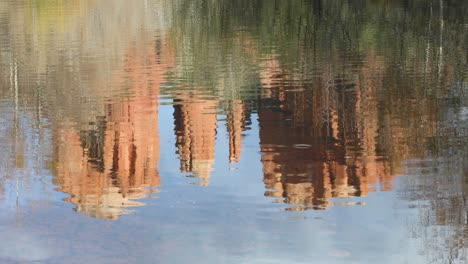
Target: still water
[(305, 131)]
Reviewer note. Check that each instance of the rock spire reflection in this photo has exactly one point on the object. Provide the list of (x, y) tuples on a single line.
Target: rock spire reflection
[(320, 140), (195, 128), (106, 168), (236, 125)]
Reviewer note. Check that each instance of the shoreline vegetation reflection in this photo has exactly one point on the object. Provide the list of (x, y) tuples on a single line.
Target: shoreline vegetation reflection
[(348, 95)]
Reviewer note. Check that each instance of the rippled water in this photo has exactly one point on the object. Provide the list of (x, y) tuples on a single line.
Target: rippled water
[(305, 131)]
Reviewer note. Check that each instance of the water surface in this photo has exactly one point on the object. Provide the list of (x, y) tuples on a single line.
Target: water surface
[(234, 131)]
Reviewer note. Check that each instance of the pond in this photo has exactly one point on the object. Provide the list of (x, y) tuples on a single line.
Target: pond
[(248, 131)]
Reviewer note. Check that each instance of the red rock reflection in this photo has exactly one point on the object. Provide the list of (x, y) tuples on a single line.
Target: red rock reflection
[(235, 125), (320, 141), (195, 128), (107, 168)]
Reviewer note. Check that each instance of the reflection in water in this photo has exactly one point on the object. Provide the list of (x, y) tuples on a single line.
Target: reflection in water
[(195, 127), (320, 141), (236, 124), (105, 168), (334, 132), (347, 98), (438, 187)]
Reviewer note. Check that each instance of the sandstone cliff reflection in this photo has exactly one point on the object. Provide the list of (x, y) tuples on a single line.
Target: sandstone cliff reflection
[(236, 123), (195, 122), (106, 168), (319, 140), (195, 128)]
